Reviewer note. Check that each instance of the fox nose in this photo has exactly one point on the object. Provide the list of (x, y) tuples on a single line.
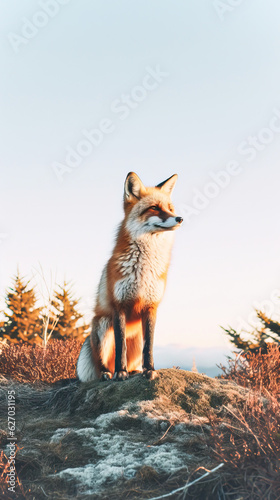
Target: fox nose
[(179, 220)]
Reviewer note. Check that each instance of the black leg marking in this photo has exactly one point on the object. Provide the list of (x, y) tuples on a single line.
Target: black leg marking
[(148, 325), (120, 345)]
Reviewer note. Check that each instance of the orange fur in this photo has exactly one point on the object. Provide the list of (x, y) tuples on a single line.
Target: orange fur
[(134, 278), (104, 354)]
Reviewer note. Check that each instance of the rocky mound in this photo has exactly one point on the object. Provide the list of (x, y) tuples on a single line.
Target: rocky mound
[(112, 440)]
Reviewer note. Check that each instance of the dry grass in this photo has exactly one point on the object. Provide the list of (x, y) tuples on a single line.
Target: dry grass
[(248, 440), (32, 363), (256, 371), (243, 436), (4, 470)]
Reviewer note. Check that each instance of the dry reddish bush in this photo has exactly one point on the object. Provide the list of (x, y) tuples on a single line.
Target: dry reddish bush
[(247, 441), (4, 485), (256, 370), (33, 363)]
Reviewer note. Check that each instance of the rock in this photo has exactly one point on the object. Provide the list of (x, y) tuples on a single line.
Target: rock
[(98, 440)]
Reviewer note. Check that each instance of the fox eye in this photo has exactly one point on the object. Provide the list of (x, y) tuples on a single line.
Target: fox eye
[(153, 208)]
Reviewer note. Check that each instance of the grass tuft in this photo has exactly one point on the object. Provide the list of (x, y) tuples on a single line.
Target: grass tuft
[(33, 363)]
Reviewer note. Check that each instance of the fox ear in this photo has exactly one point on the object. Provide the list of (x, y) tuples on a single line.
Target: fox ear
[(168, 185), (133, 187)]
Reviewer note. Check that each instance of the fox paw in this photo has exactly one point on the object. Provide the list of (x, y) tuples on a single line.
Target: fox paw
[(150, 374), (120, 376), (105, 376)]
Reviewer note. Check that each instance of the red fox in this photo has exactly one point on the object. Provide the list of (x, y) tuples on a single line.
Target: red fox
[(131, 286)]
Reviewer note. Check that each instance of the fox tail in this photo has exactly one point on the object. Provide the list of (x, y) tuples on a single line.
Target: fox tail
[(85, 366)]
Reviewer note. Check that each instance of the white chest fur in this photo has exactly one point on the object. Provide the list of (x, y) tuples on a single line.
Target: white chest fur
[(142, 267)]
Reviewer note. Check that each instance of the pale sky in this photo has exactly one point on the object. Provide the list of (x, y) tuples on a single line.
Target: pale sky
[(214, 104)]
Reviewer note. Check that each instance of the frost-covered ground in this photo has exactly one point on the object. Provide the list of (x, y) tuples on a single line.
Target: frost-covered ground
[(131, 439), (121, 441)]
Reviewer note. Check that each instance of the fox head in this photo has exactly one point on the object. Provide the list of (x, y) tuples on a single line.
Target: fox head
[(149, 209)]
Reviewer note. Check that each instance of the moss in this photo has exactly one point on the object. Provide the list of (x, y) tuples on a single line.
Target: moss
[(175, 396), (180, 389), (217, 400)]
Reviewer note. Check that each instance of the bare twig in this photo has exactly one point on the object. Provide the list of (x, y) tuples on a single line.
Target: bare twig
[(242, 420), (47, 296), (160, 439), (44, 491), (187, 486)]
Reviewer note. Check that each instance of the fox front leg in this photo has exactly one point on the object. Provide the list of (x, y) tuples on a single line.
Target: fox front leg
[(148, 325), (120, 346)]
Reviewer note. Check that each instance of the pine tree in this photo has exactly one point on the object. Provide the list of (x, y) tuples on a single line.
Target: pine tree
[(22, 316), (64, 308), (268, 331)]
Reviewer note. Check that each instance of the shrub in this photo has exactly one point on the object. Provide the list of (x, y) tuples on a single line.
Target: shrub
[(256, 370), (248, 441), (33, 363), (260, 338)]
